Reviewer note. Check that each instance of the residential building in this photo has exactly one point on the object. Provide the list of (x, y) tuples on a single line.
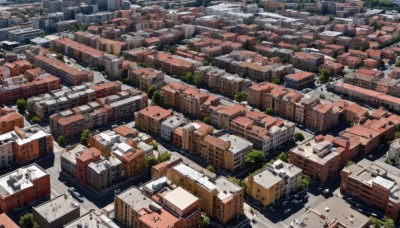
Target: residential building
[(221, 199), (144, 78), (104, 173), (374, 184), (9, 119), (394, 152), (160, 170), (56, 212), (192, 136), (149, 119), (92, 219), (368, 137), (319, 160), (221, 116), (225, 152), (169, 125), (23, 186), (331, 212), (279, 179), (68, 75), (300, 80), (133, 160), (133, 209), (24, 35)]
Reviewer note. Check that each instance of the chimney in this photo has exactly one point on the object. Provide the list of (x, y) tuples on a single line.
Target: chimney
[(347, 145)]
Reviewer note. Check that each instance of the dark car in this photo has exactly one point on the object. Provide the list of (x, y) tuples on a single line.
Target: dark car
[(71, 190), (78, 196)]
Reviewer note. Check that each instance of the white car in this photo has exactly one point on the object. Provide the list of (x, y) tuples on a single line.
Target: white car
[(295, 202), (285, 202), (287, 211)]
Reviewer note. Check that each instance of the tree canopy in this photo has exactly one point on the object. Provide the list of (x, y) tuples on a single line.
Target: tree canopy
[(298, 136), (85, 137), (255, 158), (22, 105), (240, 96), (26, 221)]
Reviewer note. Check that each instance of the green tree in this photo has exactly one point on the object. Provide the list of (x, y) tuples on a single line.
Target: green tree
[(61, 140), (298, 136), (389, 161), (154, 145), (240, 96), (60, 57), (126, 81), (397, 134), (188, 78), (322, 96), (164, 156), (144, 65), (397, 64), (207, 120), (26, 221), (36, 119), (151, 161), (323, 76), (305, 181), (198, 79), (386, 222), (22, 105), (151, 91), (156, 97), (283, 157), (276, 81), (349, 162), (255, 158), (269, 111), (85, 137), (204, 221), (211, 169)]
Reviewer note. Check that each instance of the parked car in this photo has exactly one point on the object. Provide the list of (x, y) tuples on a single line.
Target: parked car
[(71, 190), (285, 202), (306, 197), (287, 211), (116, 191), (77, 196), (295, 202)]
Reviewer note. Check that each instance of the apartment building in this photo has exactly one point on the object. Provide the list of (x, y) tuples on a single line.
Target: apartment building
[(221, 116), (112, 64), (225, 152), (56, 101), (104, 173), (221, 81), (372, 97), (170, 93), (394, 152), (133, 209), (319, 160), (195, 102), (68, 75), (149, 119), (256, 94), (25, 144), (220, 199), (176, 200), (56, 212), (7, 222), (69, 126), (133, 160), (307, 61), (279, 179), (191, 135), (169, 125), (283, 102), (369, 138), (374, 184), (23, 186), (100, 43), (332, 211), (320, 116), (43, 84), (9, 119), (144, 78), (300, 80), (265, 132), (172, 64)]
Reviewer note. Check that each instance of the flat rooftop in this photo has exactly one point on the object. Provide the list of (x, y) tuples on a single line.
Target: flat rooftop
[(57, 207), (180, 198), (20, 179), (92, 219)]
